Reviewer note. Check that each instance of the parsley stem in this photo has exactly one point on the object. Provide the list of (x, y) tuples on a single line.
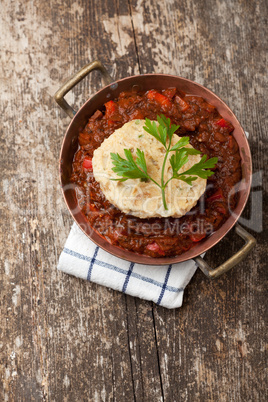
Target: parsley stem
[(172, 177), (150, 178), (164, 197), (163, 186)]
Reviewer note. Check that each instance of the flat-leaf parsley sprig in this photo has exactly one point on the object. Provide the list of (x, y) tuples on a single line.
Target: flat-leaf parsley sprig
[(137, 169)]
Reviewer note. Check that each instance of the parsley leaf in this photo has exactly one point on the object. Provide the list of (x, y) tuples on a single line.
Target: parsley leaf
[(181, 143), (177, 161), (199, 169), (128, 168), (151, 128)]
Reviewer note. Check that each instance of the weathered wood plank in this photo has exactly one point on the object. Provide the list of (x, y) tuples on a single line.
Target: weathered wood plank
[(143, 350)]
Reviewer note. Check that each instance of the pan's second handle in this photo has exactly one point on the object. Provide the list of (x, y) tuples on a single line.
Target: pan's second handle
[(235, 259), (77, 77)]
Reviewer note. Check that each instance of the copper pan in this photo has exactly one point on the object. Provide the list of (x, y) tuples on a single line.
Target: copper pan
[(146, 82)]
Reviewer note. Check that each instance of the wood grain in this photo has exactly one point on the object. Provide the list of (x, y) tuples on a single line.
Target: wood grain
[(63, 339)]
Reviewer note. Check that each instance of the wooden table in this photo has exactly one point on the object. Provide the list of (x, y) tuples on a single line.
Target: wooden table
[(63, 339)]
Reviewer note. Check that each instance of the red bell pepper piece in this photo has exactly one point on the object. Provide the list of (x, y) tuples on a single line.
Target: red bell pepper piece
[(110, 108), (181, 103), (222, 123), (170, 92), (217, 196), (155, 248), (195, 237), (159, 98), (87, 163)]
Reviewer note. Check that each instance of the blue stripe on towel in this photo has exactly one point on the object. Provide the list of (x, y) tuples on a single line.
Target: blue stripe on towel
[(92, 264), (77, 255), (127, 277), (125, 272), (164, 285)]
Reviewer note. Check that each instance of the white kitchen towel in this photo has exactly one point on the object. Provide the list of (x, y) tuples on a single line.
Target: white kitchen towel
[(164, 285)]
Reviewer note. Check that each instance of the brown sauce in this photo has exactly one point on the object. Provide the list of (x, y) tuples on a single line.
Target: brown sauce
[(208, 132)]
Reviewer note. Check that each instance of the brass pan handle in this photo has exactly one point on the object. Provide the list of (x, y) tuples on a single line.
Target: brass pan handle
[(75, 79), (235, 259)]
